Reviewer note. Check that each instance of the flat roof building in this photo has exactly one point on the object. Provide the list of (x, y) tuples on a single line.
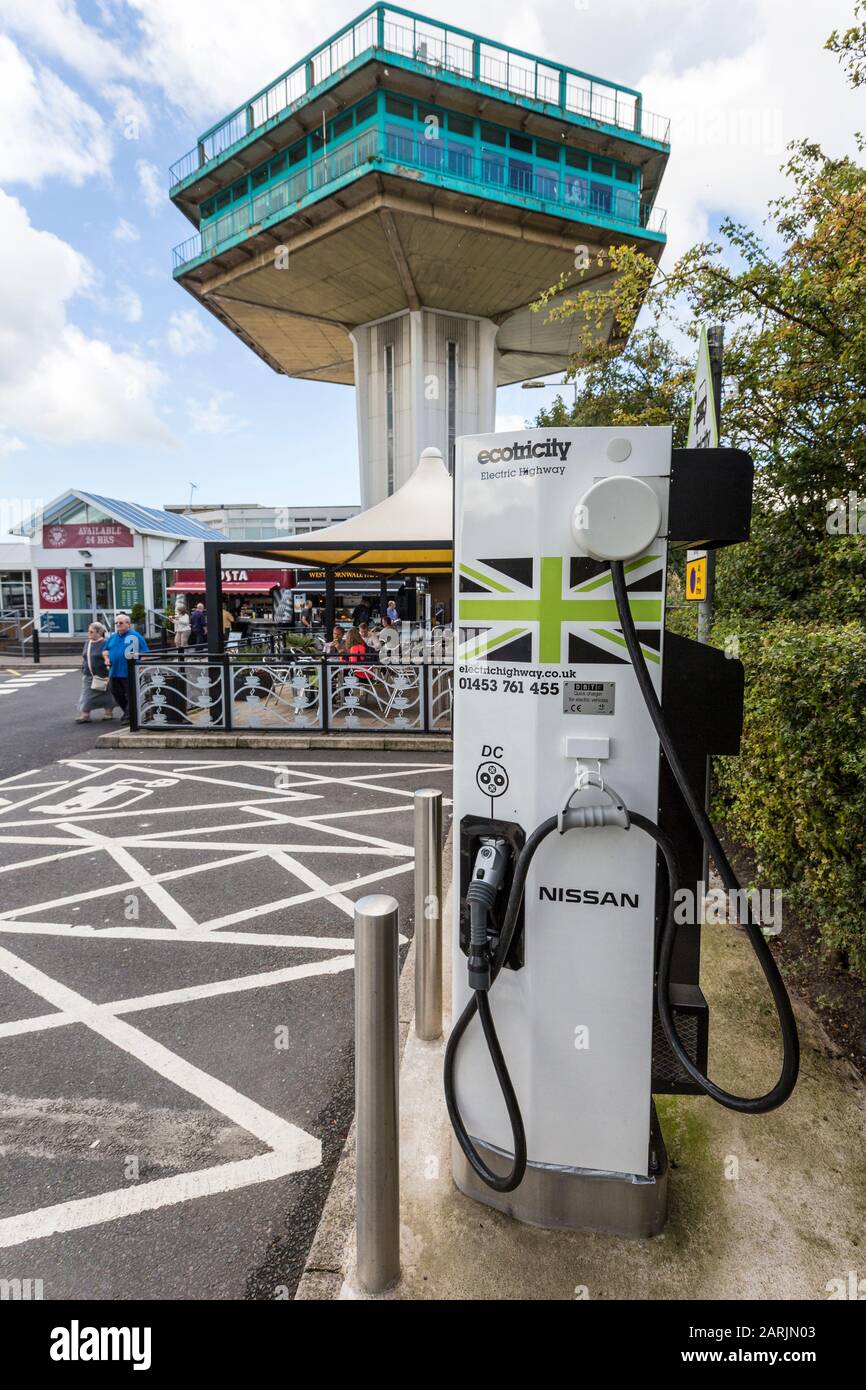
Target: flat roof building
[(250, 521), (90, 556)]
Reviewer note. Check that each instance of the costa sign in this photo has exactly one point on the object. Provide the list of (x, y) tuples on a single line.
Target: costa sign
[(87, 535), (52, 589)]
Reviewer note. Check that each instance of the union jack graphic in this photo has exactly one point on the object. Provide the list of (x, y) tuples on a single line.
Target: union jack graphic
[(559, 612)]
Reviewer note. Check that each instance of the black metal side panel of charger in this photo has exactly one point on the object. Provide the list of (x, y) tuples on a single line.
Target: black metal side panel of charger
[(710, 500), (710, 506), (474, 829), (702, 698)]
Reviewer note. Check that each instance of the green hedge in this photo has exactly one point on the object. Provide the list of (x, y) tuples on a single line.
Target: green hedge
[(797, 793)]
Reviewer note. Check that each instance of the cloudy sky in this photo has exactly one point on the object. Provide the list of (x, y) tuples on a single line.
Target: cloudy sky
[(112, 379)]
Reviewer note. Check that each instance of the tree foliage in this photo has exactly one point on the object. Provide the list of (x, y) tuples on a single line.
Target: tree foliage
[(850, 46), (649, 384), (793, 306)]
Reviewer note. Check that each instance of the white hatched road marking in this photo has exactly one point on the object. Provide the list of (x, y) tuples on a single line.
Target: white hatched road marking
[(18, 681), (291, 1148)]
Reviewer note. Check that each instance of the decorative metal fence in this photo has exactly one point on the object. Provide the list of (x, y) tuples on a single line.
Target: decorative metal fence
[(177, 690)]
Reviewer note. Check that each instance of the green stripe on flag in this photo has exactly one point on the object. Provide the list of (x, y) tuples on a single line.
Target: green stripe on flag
[(620, 642), (483, 579), (605, 578), (498, 641)]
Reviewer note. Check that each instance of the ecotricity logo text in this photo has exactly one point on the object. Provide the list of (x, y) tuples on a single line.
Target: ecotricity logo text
[(544, 449), (77, 1343)]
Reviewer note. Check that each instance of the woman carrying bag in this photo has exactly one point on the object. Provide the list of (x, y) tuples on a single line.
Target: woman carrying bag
[(95, 692)]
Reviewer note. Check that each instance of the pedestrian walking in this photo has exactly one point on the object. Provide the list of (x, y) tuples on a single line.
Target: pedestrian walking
[(198, 623), (182, 627), (95, 689), (123, 644)]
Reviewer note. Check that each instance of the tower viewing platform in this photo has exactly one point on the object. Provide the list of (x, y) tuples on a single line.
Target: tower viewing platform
[(385, 212)]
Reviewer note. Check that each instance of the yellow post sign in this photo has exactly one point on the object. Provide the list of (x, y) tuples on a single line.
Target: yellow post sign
[(696, 579)]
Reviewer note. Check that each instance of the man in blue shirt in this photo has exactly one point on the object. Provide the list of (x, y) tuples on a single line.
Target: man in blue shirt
[(123, 643)]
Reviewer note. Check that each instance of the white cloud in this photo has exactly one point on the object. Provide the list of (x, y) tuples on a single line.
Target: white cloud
[(131, 112), (56, 383), (48, 130), (188, 334), (125, 231), (10, 444), (507, 423), (208, 57), (55, 27), (151, 183), (733, 116), (129, 304), (209, 417)]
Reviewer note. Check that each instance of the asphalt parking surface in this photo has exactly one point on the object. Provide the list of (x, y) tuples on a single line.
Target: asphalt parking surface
[(38, 709), (176, 1018)]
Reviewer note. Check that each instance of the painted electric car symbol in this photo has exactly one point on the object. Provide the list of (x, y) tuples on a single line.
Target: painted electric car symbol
[(118, 795), (492, 779)]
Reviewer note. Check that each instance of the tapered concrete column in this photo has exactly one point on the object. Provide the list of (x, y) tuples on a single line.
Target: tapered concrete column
[(404, 388)]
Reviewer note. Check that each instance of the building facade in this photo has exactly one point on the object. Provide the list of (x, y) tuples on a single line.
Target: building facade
[(92, 556), (248, 521), (86, 557), (16, 580)]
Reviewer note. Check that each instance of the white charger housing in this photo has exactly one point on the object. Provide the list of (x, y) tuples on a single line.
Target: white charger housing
[(616, 518)]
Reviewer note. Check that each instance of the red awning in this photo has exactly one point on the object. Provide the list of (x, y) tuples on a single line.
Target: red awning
[(234, 581), (241, 586)]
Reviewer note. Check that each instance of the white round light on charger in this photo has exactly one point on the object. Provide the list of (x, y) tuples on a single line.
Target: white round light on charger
[(616, 519)]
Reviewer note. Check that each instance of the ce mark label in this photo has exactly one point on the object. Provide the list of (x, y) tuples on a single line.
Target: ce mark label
[(491, 778)]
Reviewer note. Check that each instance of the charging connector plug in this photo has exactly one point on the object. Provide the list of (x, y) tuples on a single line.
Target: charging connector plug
[(488, 872)]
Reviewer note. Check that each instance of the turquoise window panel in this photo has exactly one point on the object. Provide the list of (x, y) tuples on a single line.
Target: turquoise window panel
[(438, 143)]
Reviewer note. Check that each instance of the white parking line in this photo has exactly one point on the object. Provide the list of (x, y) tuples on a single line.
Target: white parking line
[(239, 983), (251, 808)]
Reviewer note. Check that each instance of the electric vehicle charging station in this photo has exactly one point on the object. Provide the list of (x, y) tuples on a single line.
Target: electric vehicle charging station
[(581, 732)]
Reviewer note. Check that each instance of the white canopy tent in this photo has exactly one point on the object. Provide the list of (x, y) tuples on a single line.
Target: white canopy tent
[(409, 533)]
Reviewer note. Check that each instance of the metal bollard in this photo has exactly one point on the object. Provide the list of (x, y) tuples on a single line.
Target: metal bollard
[(428, 914), (377, 1181)]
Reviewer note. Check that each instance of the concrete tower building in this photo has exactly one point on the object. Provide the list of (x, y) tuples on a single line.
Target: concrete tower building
[(385, 212)]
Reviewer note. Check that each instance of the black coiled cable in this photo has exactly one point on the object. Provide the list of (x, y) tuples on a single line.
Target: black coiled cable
[(787, 1080)]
